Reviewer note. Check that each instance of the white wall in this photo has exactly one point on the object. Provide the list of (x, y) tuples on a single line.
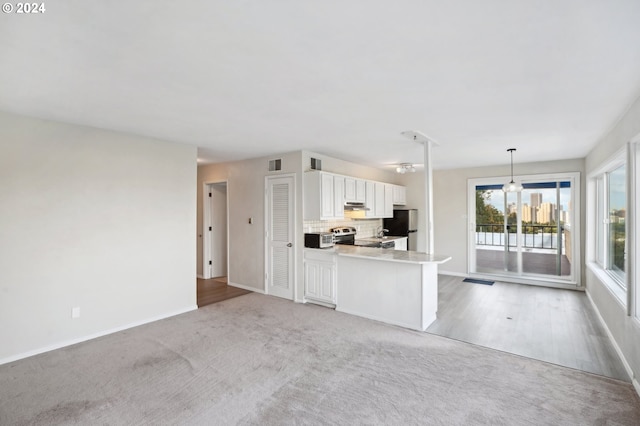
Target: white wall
[(624, 329), (91, 219), (450, 204), (245, 188), (246, 194), (347, 168)]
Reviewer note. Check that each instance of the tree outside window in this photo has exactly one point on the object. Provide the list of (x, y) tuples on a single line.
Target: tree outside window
[(617, 221)]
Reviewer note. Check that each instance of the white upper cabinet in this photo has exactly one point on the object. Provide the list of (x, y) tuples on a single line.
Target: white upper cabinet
[(379, 199), (323, 196), (338, 197), (370, 199), (360, 190), (327, 201), (354, 190), (388, 200), (399, 195)]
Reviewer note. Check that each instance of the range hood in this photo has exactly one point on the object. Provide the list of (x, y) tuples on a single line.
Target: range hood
[(355, 207)]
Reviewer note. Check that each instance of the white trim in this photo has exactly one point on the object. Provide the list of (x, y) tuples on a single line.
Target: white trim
[(294, 237), (575, 279), (543, 281), (200, 276), (615, 159), (625, 364), (428, 320), (632, 227), (619, 158), (245, 287), (94, 335), (206, 235), (451, 273), (206, 223)]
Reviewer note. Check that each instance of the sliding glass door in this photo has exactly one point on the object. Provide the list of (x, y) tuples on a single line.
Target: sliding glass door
[(524, 234)]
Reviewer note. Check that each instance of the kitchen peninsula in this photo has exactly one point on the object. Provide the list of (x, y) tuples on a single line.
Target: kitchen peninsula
[(393, 286)]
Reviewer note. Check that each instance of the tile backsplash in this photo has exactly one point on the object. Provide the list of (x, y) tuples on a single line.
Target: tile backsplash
[(364, 227)]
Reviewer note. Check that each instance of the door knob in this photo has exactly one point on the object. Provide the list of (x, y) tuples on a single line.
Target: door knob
[(289, 245)]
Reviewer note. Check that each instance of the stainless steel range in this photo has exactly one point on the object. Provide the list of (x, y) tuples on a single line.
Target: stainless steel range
[(344, 235), (347, 235)]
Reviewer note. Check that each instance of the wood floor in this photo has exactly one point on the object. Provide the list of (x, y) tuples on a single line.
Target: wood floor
[(216, 290), (553, 325), (532, 263)]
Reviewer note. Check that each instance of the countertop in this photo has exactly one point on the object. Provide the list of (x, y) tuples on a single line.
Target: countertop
[(380, 239), (388, 255)]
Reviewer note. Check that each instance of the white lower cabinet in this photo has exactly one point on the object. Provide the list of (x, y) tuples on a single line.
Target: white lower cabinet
[(320, 277)]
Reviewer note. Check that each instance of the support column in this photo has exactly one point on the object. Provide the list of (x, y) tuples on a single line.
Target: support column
[(428, 143), (428, 195)]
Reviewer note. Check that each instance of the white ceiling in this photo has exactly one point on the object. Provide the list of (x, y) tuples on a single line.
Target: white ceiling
[(243, 79)]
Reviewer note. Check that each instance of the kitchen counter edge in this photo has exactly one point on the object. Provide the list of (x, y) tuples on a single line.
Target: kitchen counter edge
[(387, 255)]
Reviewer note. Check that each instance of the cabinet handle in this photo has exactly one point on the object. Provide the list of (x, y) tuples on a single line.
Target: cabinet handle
[(289, 245)]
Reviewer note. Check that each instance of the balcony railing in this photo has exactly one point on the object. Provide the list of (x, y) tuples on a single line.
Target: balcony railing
[(533, 236)]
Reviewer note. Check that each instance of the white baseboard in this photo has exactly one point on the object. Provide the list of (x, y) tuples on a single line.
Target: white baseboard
[(625, 364), (93, 335), (246, 287), (384, 320), (453, 274)]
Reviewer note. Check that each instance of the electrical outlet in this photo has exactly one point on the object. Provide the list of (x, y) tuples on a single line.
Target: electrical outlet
[(75, 312)]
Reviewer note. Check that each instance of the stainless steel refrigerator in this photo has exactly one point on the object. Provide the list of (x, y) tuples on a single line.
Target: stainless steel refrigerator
[(404, 224)]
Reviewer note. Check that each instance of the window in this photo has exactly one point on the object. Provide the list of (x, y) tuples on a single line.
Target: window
[(617, 227), (611, 228), (530, 236), (600, 218)]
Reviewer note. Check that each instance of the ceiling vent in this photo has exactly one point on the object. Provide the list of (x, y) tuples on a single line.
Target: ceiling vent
[(275, 165)]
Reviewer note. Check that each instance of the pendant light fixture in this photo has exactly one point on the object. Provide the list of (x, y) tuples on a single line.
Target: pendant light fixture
[(512, 186)]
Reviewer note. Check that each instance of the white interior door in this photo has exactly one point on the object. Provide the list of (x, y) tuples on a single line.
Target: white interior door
[(280, 235), (218, 230)]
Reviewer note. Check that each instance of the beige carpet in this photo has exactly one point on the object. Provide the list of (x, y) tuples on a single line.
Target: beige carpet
[(260, 360)]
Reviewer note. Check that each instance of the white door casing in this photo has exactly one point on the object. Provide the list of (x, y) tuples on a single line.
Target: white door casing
[(218, 231), (215, 230), (280, 236)]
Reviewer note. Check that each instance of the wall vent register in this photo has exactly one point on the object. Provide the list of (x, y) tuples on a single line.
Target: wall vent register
[(275, 165)]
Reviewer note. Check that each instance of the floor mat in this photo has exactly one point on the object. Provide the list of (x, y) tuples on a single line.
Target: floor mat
[(476, 281)]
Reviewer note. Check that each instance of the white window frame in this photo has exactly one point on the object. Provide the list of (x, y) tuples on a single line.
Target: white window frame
[(574, 279), (633, 206), (620, 277), (598, 227)]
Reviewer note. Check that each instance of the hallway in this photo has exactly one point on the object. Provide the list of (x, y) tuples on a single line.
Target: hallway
[(216, 290)]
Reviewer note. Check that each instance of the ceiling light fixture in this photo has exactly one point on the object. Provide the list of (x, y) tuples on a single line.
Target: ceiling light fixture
[(512, 186), (405, 167)]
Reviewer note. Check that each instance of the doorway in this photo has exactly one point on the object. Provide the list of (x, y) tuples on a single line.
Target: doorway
[(279, 236), (528, 234), (215, 253)]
